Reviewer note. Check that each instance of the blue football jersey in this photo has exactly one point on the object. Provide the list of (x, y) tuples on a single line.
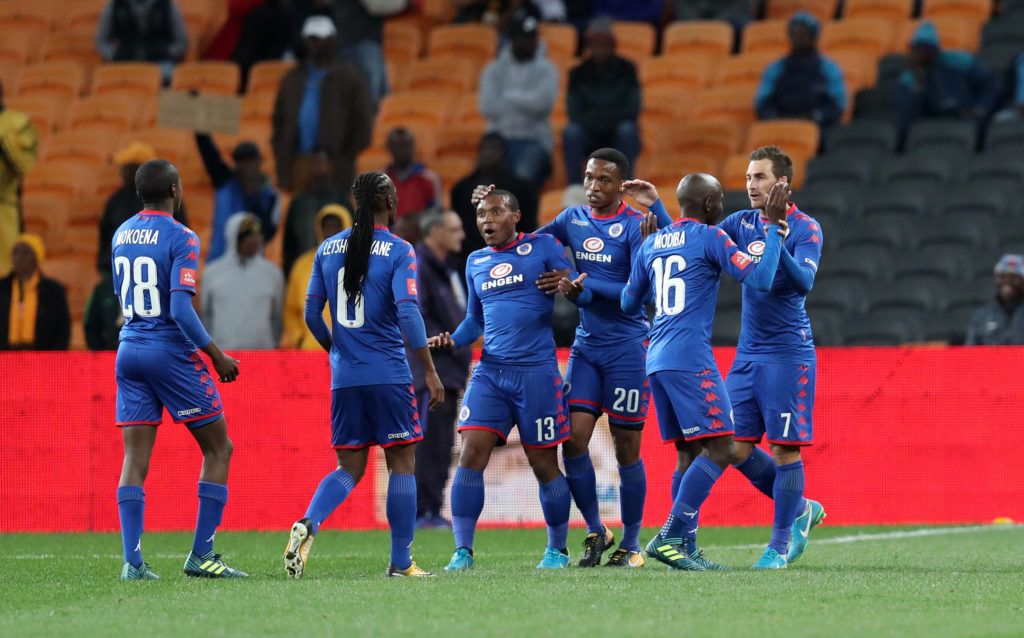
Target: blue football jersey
[(682, 265), (503, 291), (775, 324), (604, 249), (152, 255), (366, 338)]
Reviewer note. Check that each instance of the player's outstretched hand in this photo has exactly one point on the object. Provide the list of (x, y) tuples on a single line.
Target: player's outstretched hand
[(778, 203), (645, 193), (480, 192), (436, 391), (572, 289), (441, 341), (226, 367), (548, 281), (648, 225), (784, 230)]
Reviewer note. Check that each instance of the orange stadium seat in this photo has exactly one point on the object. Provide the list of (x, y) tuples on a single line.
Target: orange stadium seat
[(467, 109), (766, 37), (460, 139), (15, 14), (72, 45), (45, 210), (445, 74), (103, 113), (60, 80), (79, 276), (823, 10), (715, 139), (57, 179), (403, 41), (561, 40), (452, 168), (550, 205), (169, 144), (374, 158), (258, 107), (105, 182), (700, 36), (732, 103), (634, 40), (667, 170), (742, 69), (45, 111), (83, 13), (796, 137), (891, 10), (87, 209), (972, 11), (265, 76), (674, 70), (468, 41), (10, 73), (438, 11), (17, 47), (86, 148), (872, 36), (128, 80), (218, 78), (860, 70), (954, 33), (425, 107)]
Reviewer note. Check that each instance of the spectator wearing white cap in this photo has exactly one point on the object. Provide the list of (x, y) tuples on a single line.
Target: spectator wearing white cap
[(322, 104), (1001, 321)]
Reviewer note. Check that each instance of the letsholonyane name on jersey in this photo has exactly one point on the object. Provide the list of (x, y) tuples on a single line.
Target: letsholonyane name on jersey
[(138, 236), (379, 248), (504, 281), (670, 240)]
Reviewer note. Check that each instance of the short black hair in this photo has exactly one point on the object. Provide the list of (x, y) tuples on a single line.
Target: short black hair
[(510, 199), (154, 179), (782, 165), (614, 156), (246, 150)]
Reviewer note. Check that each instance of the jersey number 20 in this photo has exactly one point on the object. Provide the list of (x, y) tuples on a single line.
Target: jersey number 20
[(669, 291), (139, 278), (359, 313)]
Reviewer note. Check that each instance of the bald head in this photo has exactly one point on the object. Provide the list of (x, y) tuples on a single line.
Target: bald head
[(700, 197)]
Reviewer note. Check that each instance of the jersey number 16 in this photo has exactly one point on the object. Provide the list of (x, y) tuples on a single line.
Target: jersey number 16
[(669, 291)]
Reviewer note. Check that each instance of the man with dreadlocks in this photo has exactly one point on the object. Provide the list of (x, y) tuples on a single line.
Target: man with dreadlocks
[(368, 276)]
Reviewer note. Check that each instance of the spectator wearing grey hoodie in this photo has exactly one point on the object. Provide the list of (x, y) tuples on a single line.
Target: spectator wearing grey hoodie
[(517, 92)]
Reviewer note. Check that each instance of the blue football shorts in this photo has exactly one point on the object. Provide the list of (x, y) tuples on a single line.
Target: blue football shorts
[(691, 405), (773, 399), (610, 380), (384, 414), (151, 378)]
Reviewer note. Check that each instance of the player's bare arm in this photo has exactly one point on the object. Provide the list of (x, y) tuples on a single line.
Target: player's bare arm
[(645, 194), (433, 382)]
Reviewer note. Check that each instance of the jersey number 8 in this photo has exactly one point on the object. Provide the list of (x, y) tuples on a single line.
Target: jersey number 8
[(359, 314), (669, 291), (143, 273)]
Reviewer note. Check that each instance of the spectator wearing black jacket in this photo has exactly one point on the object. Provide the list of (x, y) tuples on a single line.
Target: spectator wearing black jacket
[(33, 308), (142, 31)]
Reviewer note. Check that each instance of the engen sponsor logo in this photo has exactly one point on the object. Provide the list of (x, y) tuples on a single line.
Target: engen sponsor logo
[(755, 249), (501, 275), (500, 270), (593, 247)]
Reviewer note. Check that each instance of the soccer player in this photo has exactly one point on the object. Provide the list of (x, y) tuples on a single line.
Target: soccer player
[(517, 382), (154, 262), (368, 275), (681, 267), (606, 365), (771, 382)]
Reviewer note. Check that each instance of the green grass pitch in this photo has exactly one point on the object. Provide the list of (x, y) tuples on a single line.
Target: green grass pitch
[(907, 581)]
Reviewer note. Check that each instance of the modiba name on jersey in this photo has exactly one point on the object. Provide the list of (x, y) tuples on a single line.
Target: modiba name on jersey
[(670, 240), (379, 248), (138, 236)]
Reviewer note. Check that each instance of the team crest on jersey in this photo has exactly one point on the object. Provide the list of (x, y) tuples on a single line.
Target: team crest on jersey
[(594, 245), (615, 230), (500, 270), (524, 249), (464, 413)]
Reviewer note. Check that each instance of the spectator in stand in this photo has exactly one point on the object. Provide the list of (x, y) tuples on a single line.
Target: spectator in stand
[(142, 31), (517, 92), (491, 168), (736, 12), (321, 103), (1001, 321), (103, 318), (18, 146), (33, 308), (631, 10), (603, 101), (1011, 99), (125, 202), (443, 306), (804, 84), (244, 189), (362, 33), (256, 30), (331, 220), (941, 84), (242, 292), (300, 232), (417, 187)]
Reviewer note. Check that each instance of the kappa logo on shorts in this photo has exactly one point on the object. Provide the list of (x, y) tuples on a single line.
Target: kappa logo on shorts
[(689, 431), (188, 277), (615, 230), (524, 249), (398, 435), (464, 413), (189, 412)]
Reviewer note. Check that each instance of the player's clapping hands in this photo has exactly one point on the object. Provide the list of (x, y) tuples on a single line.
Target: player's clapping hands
[(441, 341), (548, 282), (572, 289), (645, 194), (778, 204)]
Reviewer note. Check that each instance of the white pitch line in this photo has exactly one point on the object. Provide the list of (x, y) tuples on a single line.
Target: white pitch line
[(835, 540)]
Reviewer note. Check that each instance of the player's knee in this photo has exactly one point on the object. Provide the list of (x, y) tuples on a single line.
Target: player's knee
[(221, 452), (573, 448), (627, 449), (720, 450)]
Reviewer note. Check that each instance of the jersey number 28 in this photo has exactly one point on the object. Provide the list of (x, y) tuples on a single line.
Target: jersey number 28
[(669, 291), (139, 278), (359, 312)]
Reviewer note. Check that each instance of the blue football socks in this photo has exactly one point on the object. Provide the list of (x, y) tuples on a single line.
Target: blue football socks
[(131, 503), (332, 492), (212, 498), (467, 503), (632, 493), (401, 513), (555, 501), (789, 489), (579, 472), (760, 470), (677, 478), (693, 491)]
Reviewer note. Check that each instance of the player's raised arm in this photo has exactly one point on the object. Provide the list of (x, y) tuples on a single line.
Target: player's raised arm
[(646, 194), (738, 264), (801, 266), (638, 287)]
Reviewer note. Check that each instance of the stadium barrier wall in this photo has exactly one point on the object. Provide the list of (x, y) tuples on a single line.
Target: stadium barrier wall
[(903, 435)]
